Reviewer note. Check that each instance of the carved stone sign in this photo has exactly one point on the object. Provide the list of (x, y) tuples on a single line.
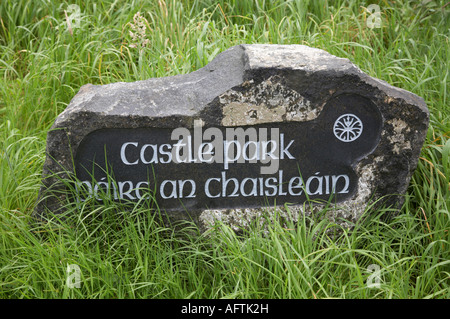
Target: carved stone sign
[(260, 126)]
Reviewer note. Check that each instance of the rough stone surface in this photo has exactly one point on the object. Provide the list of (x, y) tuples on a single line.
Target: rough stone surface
[(248, 85)]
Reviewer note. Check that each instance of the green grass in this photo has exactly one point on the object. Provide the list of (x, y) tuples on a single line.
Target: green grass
[(124, 252)]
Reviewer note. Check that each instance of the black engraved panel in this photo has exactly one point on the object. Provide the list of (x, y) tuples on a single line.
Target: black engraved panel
[(258, 165)]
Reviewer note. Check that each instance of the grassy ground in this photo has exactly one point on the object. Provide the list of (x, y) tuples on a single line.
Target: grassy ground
[(124, 253)]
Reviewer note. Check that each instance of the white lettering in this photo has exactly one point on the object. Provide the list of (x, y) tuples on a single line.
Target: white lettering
[(346, 185), (138, 187), (174, 189), (202, 153), (225, 182), (181, 188), (122, 153), (253, 191), (299, 185), (176, 134), (226, 147), (318, 190), (167, 153), (271, 186), (176, 149), (154, 159), (130, 188), (255, 152), (284, 150), (207, 192)]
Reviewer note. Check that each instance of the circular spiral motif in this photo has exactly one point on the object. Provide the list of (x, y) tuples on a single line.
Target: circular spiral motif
[(347, 128)]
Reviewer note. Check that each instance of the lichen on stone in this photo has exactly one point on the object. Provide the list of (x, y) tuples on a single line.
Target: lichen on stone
[(267, 102), (398, 139)]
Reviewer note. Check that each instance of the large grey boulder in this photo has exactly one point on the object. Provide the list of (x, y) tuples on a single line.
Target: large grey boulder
[(354, 139)]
